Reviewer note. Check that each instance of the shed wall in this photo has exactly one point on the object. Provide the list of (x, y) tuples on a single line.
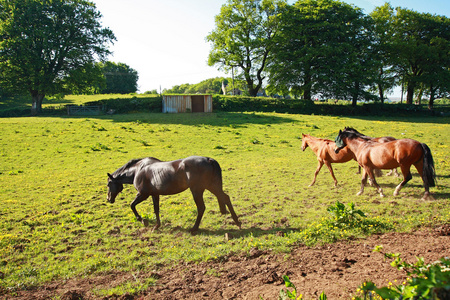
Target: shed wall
[(183, 103)]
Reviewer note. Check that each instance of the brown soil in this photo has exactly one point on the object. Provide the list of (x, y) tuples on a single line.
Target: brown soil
[(337, 269)]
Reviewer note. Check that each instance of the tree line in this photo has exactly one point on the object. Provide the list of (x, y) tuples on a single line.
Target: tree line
[(330, 49), (313, 48)]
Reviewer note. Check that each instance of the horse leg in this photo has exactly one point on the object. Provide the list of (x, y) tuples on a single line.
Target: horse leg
[(319, 166), (155, 199), (406, 177), (393, 171), (374, 182), (378, 172), (226, 199), (200, 203), (363, 183), (328, 164), (139, 198)]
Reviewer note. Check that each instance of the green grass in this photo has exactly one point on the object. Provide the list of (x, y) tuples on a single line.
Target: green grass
[(56, 223)]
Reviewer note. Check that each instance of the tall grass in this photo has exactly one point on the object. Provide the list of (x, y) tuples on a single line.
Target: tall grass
[(56, 224)]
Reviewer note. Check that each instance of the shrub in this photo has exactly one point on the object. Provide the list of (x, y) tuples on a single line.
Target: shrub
[(146, 104)]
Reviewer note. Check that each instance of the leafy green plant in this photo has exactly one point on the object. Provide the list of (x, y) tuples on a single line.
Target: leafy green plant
[(428, 281), (287, 294), (345, 215)]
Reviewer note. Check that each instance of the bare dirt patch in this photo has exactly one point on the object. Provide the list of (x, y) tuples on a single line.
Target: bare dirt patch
[(337, 269)]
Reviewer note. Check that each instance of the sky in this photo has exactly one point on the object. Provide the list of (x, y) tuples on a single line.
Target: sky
[(165, 40)]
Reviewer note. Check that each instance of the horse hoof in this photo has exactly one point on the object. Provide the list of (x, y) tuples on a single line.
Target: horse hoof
[(145, 222), (359, 194), (381, 195), (427, 197)]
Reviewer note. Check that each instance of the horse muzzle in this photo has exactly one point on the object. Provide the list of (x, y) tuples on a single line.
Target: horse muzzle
[(336, 150), (110, 199)]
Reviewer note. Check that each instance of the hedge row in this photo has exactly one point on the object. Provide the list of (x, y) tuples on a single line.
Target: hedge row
[(341, 108), (258, 104), (147, 104)]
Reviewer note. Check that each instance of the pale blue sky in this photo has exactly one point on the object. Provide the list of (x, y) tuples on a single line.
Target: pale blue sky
[(165, 40)]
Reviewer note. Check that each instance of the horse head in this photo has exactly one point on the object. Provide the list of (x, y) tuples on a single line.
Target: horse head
[(339, 142), (115, 186), (304, 141)]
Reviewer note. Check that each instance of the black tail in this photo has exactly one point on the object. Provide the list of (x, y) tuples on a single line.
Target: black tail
[(217, 170), (429, 174)]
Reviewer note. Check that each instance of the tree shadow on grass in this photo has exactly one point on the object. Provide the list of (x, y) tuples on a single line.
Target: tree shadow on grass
[(227, 119)]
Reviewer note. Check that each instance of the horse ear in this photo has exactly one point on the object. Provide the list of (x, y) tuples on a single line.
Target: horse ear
[(110, 176), (340, 131)]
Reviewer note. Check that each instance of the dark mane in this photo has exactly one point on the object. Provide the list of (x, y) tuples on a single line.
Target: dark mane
[(352, 133), (126, 166), (352, 130)]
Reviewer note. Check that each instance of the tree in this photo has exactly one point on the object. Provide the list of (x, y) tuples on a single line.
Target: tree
[(120, 78), (420, 42), (386, 78), (48, 45), (436, 73), (242, 39), (323, 47)]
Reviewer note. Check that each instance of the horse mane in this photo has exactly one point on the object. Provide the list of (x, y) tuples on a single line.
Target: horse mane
[(126, 166), (353, 133), (317, 138)]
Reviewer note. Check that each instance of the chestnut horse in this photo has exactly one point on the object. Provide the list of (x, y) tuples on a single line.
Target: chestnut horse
[(382, 139), (398, 153), (324, 150), (152, 177)]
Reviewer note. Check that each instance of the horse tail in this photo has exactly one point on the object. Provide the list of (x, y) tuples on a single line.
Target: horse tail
[(429, 174), (217, 170)]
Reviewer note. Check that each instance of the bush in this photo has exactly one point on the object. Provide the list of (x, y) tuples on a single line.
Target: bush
[(147, 104)]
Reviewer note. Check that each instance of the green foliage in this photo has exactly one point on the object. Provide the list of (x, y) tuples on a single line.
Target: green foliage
[(208, 86), (239, 103), (286, 294), (328, 43), (49, 45), (417, 44), (345, 216), (119, 78), (132, 104), (428, 281), (242, 38)]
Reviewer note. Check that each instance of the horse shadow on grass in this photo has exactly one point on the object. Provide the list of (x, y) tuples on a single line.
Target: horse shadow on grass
[(235, 233)]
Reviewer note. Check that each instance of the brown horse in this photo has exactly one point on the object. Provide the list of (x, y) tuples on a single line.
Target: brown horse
[(398, 153), (383, 139), (324, 150), (152, 177)]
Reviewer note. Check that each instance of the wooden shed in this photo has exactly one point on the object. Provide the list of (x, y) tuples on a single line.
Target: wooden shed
[(187, 103)]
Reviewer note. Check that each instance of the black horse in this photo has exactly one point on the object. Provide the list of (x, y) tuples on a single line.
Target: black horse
[(152, 177)]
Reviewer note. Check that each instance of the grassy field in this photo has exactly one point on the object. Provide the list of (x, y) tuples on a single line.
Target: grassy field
[(56, 223)]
